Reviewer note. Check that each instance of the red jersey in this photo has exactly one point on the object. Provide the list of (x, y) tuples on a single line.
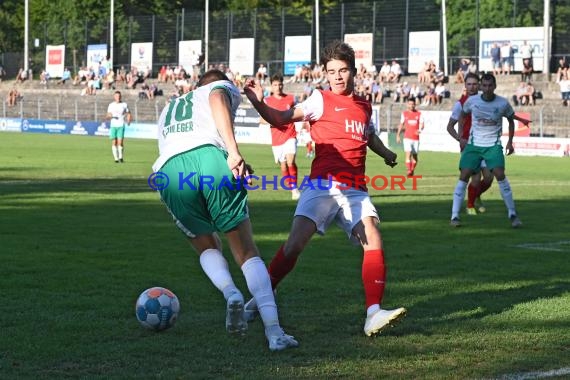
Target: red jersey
[(466, 120), (280, 134), (411, 120), (341, 138)]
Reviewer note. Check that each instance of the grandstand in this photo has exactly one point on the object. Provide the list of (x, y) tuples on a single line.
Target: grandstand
[(64, 102)]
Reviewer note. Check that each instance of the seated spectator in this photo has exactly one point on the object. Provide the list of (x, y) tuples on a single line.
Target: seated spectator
[(261, 73), (13, 97), (161, 76), (520, 94), (424, 76), (395, 72), (564, 84), (530, 95), (44, 77), (462, 70), (109, 80), (439, 92), (416, 94), (238, 80), (527, 69), (306, 73), (317, 73), (384, 72), (376, 91), (22, 76), (297, 76), (65, 76)]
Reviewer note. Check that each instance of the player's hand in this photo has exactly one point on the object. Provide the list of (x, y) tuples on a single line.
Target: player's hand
[(462, 143), (253, 90), (390, 159), (509, 148), (525, 122)]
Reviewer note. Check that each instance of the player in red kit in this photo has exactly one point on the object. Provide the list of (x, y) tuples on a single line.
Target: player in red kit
[(284, 137), (413, 123), (342, 131)]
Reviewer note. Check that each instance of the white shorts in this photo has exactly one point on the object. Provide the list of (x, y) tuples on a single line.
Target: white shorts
[(304, 137), (281, 151), (324, 202), (411, 146)]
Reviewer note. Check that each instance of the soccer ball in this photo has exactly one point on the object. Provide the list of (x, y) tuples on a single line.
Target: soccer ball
[(157, 308)]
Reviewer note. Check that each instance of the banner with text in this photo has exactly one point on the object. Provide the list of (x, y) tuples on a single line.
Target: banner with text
[(141, 56), (55, 60), (362, 45), (297, 52), (422, 47), (189, 53), (516, 37), (241, 55), (96, 54)]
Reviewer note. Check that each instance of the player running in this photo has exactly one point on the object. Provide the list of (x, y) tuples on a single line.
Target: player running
[(412, 122)]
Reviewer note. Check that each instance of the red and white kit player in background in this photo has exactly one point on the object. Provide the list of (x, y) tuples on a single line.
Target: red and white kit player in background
[(412, 122), (477, 185), (342, 132), (284, 137)]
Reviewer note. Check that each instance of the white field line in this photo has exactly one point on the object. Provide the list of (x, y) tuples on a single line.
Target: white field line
[(555, 246), (537, 374)]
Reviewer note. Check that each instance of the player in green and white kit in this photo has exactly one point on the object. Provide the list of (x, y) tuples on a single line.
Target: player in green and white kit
[(487, 111), (200, 156), (119, 115)]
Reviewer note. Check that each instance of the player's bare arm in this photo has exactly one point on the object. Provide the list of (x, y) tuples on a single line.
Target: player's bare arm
[(451, 129), (220, 105), (460, 125), (400, 127), (254, 92), (509, 147), (526, 122), (378, 147)]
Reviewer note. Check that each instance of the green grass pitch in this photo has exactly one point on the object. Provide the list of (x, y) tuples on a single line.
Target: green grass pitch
[(81, 237)]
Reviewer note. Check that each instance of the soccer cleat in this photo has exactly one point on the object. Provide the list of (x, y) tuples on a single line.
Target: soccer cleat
[(235, 320), (455, 222), (121, 160), (381, 319), (295, 194), (471, 211), (515, 221), (116, 161), (250, 312), (282, 342), (480, 205)]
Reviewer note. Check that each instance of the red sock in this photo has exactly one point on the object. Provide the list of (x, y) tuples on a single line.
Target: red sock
[(293, 175), (414, 163), (310, 147), (280, 266), (472, 192), (373, 276), (409, 165), (484, 187), (285, 173)]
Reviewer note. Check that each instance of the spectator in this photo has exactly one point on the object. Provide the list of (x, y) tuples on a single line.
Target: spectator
[(44, 77), (2, 73), (395, 72), (439, 92), (65, 76), (526, 51), (520, 94), (496, 58), (261, 73), (527, 69), (562, 69), (530, 96), (416, 94), (22, 76), (384, 72), (506, 51), (564, 84), (13, 97)]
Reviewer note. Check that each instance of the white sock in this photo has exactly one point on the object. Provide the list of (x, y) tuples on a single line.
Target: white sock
[(458, 196), (216, 268), (507, 194), (259, 286), (115, 152), (120, 152), (372, 309)]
